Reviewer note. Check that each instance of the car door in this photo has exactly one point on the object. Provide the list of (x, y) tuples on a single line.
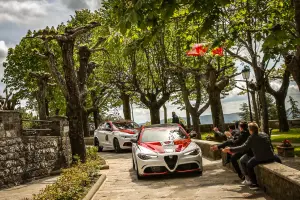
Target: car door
[(108, 135), (99, 133)]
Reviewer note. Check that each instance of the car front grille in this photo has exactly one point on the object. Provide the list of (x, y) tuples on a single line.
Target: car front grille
[(190, 166), (155, 169), (171, 161)]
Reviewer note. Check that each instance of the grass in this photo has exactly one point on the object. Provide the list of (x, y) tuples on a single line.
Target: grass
[(204, 135), (293, 135)]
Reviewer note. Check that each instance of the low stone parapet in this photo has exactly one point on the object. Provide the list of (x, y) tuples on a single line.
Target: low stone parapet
[(205, 148), (89, 141), (277, 180)]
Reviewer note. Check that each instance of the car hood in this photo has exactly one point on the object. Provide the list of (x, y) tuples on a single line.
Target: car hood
[(129, 131), (166, 146)]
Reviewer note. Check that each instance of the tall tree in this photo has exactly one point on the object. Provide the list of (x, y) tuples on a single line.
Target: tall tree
[(280, 96), (245, 114), (294, 110), (69, 82)]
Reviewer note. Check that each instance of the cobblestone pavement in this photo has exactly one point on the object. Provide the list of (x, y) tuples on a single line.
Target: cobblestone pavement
[(216, 183), (27, 190)]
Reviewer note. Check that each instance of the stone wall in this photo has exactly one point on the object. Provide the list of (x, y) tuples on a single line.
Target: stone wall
[(24, 158)]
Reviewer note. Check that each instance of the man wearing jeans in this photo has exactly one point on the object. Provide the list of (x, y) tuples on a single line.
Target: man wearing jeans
[(261, 147), (241, 139)]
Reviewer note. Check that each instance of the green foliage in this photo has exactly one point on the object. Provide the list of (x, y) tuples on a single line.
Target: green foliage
[(272, 110), (245, 114), (294, 110), (74, 182)]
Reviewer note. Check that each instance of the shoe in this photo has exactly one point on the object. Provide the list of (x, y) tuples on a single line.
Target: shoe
[(246, 182), (226, 162), (253, 187), (242, 177)]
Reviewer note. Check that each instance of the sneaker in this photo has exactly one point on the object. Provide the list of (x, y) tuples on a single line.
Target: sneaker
[(253, 187), (246, 182), (241, 176)]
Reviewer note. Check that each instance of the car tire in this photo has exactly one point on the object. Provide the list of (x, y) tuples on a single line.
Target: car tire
[(199, 173), (133, 165), (139, 177), (97, 144), (117, 146)]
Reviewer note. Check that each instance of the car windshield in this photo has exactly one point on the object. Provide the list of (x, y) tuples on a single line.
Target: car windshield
[(162, 134), (126, 125)]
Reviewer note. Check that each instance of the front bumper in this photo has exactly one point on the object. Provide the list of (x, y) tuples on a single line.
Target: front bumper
[(159, 165), (125, 143)]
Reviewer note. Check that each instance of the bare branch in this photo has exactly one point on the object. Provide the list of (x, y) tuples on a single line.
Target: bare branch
[(238, 57)]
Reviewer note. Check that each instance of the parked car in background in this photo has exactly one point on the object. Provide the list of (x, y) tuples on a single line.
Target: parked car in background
[(115, 135), (163, 149)]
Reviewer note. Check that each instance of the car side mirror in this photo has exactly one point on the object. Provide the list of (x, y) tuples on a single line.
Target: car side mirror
[(133, 140), (193, 134)]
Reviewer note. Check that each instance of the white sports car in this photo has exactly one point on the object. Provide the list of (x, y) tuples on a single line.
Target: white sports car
[(163, 149), (115, 135)]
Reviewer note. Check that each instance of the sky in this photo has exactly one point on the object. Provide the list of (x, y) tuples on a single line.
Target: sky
[(18, 16)]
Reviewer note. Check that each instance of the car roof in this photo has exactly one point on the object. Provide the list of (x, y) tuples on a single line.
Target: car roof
[(162, 126)]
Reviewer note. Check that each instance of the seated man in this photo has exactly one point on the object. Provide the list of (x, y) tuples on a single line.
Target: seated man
[(241, 139), (260, 144), (233, 133)]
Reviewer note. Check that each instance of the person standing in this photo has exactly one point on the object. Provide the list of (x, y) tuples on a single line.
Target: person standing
[(260, 144), (175, 118)]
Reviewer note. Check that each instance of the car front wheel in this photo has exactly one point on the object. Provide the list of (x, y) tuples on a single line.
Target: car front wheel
[(97, 144), (117, 146), (139, 177)]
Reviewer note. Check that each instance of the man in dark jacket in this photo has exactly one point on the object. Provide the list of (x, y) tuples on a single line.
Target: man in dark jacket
[(241, 139), (232, 134), (260, 145), (175, 118)]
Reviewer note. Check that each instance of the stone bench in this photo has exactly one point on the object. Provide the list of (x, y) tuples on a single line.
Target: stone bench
[(205, 148), (89, 141), (277, 180)]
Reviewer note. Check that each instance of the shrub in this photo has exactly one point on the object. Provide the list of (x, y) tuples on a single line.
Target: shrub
[(73, 182)]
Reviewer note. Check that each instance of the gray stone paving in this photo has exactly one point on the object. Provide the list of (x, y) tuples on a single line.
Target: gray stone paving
[(216, 183), (27, 190)]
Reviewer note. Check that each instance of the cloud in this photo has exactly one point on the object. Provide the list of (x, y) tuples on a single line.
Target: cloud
[(75, 4), (3, 53), (22, 11), (3, 49), (80, 4)]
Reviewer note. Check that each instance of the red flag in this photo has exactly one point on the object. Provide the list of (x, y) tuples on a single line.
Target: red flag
[(197, 50), (218, 51)]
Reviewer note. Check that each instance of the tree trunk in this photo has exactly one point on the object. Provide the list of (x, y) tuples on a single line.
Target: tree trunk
[(188, 119), (96, 116), (264, 110), (126, 105), (196, 124), (255, 109), (75, 106), (155, 115), (216, 109), (165, 114), (282, 116), (47, 108), (76, 132), (85, 123), (41, 98)]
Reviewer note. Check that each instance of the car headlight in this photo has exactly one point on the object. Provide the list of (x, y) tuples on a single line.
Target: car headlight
[(193, 152), (145, 156), (125, 136)]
